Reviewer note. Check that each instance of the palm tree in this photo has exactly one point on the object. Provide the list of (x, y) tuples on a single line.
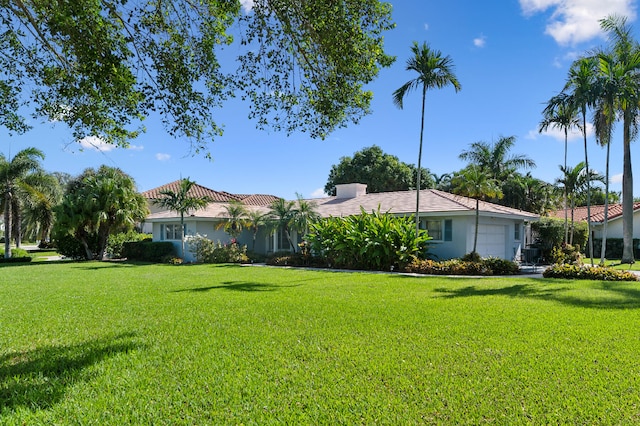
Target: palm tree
[(476, 183), (12, 172), (560, 113), (42, 195), (255, 219), (182, 202), (580, 86), (305, 214), (434, 71), (624, 63), (495, 159), (236, 212), (281, 216)]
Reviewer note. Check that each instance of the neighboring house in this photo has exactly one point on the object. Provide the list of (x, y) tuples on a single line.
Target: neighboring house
[(449, 219), (165, 224), (614, 219)]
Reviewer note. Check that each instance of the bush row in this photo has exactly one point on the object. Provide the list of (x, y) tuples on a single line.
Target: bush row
[(207, 251), (588, 273), (487, 266), (148, 251)]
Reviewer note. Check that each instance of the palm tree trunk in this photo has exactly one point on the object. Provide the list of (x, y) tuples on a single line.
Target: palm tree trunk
[(627, 194), (182, 235), (586, 167), (566, 219), (7, 224), (603, 249), (424, 97), (475, 237)]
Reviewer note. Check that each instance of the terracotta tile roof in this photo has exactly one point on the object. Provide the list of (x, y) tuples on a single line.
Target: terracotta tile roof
[(196, 191), (257, 199), (404, 202), (213, 210), (597, 212)]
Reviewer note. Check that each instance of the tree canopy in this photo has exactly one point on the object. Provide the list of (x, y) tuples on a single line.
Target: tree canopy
[(380, 171), (101, 67)]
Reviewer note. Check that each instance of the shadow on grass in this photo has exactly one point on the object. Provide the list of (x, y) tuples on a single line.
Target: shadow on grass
[(245, 286), (37, 379), (614, 295)]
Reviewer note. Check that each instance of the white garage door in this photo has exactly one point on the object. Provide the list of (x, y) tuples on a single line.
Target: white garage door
[(492, 240)]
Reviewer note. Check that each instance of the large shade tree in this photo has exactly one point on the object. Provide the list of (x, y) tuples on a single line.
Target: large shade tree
[(13, 172), (381, 172), (182, 202), (102, 66), (435, 71)]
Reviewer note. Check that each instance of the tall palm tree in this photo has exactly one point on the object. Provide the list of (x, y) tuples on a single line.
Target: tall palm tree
[(12, 172), (561, 114), (42, 195), (580, 88), (624, 61), (305, 214), (182, 202), (476, 183), (434, 71)]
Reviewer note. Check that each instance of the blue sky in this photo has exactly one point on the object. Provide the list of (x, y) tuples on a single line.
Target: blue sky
[(510, 58)]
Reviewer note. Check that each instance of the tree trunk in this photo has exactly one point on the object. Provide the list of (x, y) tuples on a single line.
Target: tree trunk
[(586, 167), (566, 218), (603, 249), (627, 194), (7, 224), (475, 237), (418, 183)]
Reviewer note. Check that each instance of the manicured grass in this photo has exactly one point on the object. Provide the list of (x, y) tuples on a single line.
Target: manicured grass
[(117, 343), (615, 264)]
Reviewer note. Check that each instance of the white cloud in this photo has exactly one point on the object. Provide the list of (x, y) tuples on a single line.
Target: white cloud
[(558, 134), (247, 5), (162, 157), (318, 193), (480, 41), (136, 147), (426, 26), (616, 178), (96, 143), (575, 21)]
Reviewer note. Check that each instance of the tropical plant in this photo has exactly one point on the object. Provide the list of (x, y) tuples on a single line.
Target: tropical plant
[(235, 219), (13, 171), (495, 160), (255, 219), (280, 218), (97, 204), (43, 193), (621, 68), (371, 241), (434, 71), (305, 215), (476, 183), (182, 202), (561, 114)]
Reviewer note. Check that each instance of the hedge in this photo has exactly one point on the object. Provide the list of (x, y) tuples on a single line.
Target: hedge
[(148, 251)]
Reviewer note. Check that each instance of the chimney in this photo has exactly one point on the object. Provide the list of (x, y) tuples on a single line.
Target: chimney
[(350, 190)]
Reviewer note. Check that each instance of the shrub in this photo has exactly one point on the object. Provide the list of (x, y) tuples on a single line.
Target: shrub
[(296, 259), (565, 253), (588, 273), (148, 251), (485, 266), (116, 241), (70, 247), (17, 255), (375, 241), (207, 251), (614, 248), (550, 234)]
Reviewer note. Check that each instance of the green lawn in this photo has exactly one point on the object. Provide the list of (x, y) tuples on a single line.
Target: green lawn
[(116, 343), (615, 264)]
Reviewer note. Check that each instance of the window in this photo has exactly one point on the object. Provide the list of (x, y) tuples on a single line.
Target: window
[(172, 232), (516, 232), (434, 229), (440, 230), (283, 242)]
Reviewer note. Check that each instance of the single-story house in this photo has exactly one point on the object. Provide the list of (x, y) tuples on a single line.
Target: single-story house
[(449, 219), (614, 219)]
